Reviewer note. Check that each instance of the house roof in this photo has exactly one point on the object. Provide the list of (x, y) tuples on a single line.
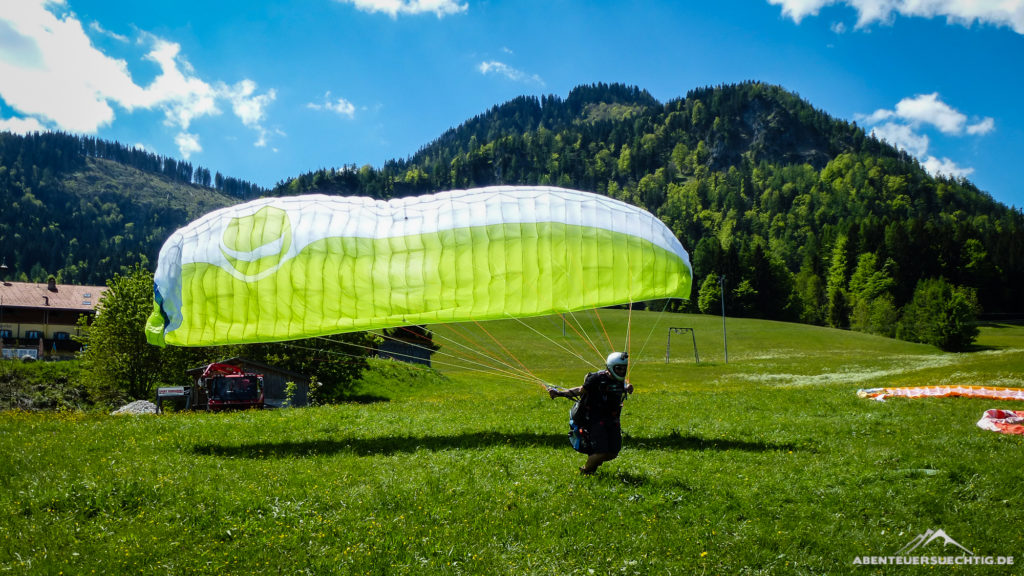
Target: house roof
[(50, 296)]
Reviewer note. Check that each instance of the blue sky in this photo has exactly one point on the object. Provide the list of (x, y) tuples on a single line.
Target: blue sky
[(265, 90)]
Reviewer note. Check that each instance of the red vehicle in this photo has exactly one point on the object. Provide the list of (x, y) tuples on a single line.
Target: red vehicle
[(227, 387)]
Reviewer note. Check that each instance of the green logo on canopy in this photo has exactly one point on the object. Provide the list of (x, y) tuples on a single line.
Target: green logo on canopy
[(254, 244)]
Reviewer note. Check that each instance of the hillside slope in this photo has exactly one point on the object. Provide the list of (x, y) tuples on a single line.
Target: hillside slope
[(84, 223), (781, 198)]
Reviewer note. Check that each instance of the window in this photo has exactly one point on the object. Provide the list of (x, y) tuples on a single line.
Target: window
[(5, 334), (33, 334), (61, 336), (233, 389)]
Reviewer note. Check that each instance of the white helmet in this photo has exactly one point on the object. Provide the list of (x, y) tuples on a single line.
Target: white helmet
[(618, 364)]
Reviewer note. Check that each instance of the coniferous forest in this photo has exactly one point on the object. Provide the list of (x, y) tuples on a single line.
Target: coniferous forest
[(81, 209), (807, 217)]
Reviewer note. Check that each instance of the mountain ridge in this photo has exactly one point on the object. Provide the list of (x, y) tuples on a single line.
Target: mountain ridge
[(809, 217)]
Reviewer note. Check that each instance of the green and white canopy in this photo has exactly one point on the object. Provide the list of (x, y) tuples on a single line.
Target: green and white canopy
[(286, 268)]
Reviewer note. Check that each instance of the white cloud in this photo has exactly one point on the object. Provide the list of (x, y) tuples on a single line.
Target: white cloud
[(928, 109), (188, 144), (903, 136), (799, 9), (51, 72), (946, 167), (96, 27), (339, 106), (181, 95), (880, 115), (495, 67), (984, 127), (251, 108), (21, 125), (393, 8), (342, 107), (905, 128), (965, 12)]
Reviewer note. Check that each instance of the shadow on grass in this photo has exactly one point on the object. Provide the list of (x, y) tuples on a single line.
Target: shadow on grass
[(466, 441), (983, 348), (363, 399), (1010, 323)]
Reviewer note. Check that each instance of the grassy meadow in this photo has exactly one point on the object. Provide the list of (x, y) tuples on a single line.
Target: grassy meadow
[(767, 464)]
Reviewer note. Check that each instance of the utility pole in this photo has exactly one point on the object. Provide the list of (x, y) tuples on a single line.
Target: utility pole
[(3, 279), (725, 339)]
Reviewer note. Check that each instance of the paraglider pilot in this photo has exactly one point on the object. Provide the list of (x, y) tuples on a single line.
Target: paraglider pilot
[(594, 426)]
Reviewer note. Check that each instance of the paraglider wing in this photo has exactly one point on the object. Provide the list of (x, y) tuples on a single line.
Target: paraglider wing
[(286, 268)]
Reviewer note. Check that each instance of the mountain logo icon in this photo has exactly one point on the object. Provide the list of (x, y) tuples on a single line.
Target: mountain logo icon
[(257, 243), (927, 538)]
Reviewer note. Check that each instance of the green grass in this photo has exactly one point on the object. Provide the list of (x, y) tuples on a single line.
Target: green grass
[(769, 464), (40, 386)]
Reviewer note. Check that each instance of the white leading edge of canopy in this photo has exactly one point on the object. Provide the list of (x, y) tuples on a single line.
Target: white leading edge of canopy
[(315, 217)]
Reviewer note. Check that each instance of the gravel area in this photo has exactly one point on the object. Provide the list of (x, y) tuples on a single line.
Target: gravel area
[(137, 407)]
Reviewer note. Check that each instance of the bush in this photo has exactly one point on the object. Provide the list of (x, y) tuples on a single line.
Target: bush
[(709, 299), (290, 388), (40, 386), (876, 316), (940, 314), (744, 299), (118, 364)]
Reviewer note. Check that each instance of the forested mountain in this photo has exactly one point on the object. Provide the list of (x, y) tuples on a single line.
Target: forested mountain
[(808, 217), (79, 208)]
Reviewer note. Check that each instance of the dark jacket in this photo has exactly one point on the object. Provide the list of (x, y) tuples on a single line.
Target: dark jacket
[(605, 395)]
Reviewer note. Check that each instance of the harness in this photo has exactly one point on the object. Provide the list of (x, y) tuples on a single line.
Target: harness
[(579, 417), (600, 388)]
